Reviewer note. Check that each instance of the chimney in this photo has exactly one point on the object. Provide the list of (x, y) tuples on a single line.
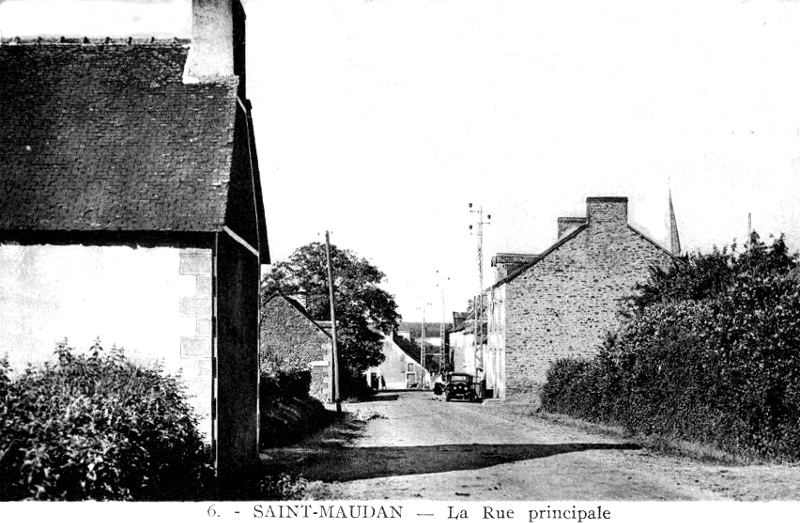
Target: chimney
[(568, 224), (217, 49), (607, 210)]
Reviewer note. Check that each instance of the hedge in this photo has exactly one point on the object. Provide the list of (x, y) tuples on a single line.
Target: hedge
[(96, 426), (288, 413), (723, 370)]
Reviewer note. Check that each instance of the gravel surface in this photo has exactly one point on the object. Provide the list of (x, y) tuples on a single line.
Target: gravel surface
[(409, 445)]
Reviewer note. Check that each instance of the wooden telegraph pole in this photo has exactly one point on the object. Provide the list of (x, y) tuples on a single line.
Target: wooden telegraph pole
[(335, 355), (478, 305)]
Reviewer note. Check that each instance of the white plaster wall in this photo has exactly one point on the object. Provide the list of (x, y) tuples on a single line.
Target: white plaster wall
[(394, 369), (125, 296)]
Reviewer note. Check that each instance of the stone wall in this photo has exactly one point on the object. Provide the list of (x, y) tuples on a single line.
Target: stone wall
[(564, 305), (290, 340), (195, 266)]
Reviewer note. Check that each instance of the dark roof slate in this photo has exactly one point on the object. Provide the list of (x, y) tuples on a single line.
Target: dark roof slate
[(320, 325), (409, 348), (107, 137)]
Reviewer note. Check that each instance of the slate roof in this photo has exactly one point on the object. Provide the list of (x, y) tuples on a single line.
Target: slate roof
[(107, 137), (409, 348), (323, 326)]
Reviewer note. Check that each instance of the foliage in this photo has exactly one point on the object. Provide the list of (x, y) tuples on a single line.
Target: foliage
[(705, 276), (363, 309), (288, 413), (709, 353), (96, 426), (285, 384), (261, 483)]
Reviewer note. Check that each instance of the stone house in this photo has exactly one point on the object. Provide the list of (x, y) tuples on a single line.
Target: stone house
[(131, 210), (291, 339), (561, 302), (399, 370)]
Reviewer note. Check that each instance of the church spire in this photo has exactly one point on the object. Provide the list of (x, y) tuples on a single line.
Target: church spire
[(674, 239)]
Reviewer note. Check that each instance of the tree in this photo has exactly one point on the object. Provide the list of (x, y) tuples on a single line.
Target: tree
[(363, 309), (705, 276)]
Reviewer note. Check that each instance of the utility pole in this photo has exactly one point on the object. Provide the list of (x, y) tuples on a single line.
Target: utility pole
[(334, 348), (442, 333), (422, 354), (478, 306), (422, 343), (442, 336)]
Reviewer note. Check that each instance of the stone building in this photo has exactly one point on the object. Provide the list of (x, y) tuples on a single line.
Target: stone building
[(562, 302), (131, 210), (291, 339)]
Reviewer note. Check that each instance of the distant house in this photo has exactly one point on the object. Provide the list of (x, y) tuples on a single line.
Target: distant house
[(131, 209), (399, 370), (562, 302), (462, 343), (412, 330), (434, 351), (291, 339)]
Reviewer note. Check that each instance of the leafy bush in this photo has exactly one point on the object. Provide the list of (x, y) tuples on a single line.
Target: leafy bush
[(288, 420), (96, 426), (288, 413), (713, 358), (707, 276), (285, 384), (270, 483), (570, 389)]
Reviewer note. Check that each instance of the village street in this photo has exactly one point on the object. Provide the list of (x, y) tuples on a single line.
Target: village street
[(408, 445)]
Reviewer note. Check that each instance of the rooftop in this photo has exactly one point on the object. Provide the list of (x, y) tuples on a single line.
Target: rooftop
[(104, 135)]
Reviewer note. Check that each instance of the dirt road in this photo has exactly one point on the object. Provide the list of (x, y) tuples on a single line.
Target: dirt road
[(408, 445)]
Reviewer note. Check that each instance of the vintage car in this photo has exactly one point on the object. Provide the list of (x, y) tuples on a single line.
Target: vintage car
[(460, 386)]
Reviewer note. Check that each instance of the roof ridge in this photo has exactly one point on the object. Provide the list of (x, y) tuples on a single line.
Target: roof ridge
[(544, 254), (85, 40), (299, 308), (651, 240), (394, 337)]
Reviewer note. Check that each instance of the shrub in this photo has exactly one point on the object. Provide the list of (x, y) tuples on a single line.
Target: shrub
[(714, 358), (96, 426), (287, 420), (285, 384), (569, 389), (288, 413)]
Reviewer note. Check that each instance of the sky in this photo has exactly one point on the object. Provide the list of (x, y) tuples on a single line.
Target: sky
[(381, 120)]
